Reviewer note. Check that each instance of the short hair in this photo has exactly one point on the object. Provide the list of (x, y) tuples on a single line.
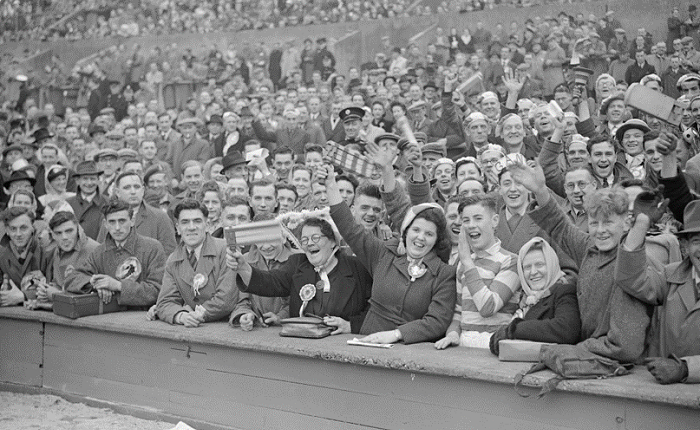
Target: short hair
[(124, 174), (598, 139), (209, 187), (606, 202), (115, 205), (190, 163), (189, 204), (401, 105), (23, 192), (349, 178), (650, 135), (284, 149), (301, 167), (10, 214), (488, 201), (62, 217), (283, 186), (325, 226), (261, 183), (369, 190), (313, 148), (586, 168), (234, 201), (484, 185)]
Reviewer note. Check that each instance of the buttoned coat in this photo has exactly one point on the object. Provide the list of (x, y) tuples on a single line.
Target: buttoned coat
[(89, 214), (218, 295)]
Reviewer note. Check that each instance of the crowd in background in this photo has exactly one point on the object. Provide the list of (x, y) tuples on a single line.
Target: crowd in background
[(494, 186)]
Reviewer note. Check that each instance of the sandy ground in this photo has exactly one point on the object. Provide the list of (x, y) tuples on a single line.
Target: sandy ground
[(26, 411)]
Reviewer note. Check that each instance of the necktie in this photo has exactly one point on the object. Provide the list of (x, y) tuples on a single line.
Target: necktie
[(606, 184), (513, 222), (192, 258)]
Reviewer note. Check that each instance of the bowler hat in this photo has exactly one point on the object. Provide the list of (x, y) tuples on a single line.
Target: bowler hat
[(41, 134), (87, 168), (233, 158), (20, 175), (215, 119)]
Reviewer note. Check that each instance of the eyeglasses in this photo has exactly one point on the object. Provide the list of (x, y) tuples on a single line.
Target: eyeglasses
[(314, 238), (490, 162), (581, 185)]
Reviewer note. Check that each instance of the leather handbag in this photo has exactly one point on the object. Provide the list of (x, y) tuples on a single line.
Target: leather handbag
[(310, 327)]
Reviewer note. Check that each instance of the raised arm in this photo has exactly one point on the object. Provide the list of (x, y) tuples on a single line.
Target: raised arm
[(366, 247)]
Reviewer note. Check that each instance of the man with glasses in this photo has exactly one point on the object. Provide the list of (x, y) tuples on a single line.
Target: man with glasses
[(578, 184)]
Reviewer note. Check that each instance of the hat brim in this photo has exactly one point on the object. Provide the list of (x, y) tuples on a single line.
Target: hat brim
[(7, 183), (620, 133), (93, 172), (688, 231)]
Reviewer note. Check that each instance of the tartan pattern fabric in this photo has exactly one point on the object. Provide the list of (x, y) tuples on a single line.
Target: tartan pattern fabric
[(349, 161)]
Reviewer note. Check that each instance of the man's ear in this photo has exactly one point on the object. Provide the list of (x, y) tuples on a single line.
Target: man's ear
[(495, 219)]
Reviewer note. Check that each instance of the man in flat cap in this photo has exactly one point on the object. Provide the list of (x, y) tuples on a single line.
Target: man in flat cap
[(417, 111), (190, 147)]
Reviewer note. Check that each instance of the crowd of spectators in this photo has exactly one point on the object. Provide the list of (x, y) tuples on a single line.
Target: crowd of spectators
[(495, 186)]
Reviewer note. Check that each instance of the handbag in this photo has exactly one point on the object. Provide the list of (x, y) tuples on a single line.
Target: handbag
[(309, 327), (571, 362)]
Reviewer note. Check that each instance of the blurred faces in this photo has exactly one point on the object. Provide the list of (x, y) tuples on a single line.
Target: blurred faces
[(286, 199), (283, 164), (513, 131), (577, 154), (607, 230), (319, 194), (20, 231), (238, 187), (301, 179), (87, 183), (191, 226), (652, 156), (130, 190), (535, 270), (118, 225), (514, 195), (602, 159), (468, 170), (232, 216), (313, 160), (347, 191), (318, 248), (367, 211), (262, 199), (478, 132), (577, 185), (470, 187), (615, 111), (192, 176), (421, 236), (352, 128), (66, 235), (212, 202), (445, 179), (479, 223), (454, 222), (632, 141)]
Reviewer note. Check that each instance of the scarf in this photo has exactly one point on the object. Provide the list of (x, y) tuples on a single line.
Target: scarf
[(554, 274)]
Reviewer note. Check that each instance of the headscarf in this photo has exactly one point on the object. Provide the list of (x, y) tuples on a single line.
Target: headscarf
[(408, 219), (554, 274)]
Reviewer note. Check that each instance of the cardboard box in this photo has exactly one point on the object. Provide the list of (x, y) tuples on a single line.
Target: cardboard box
[(519, 350), (74, 306)]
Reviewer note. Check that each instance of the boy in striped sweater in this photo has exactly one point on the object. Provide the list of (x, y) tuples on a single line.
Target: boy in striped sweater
[(488, 287)]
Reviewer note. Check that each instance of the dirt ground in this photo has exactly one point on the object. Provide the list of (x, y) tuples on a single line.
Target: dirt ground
[(44, 412)]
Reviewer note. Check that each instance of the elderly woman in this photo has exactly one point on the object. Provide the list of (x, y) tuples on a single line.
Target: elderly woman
[(548, 308), (343, 285), (413, 290), (56, 180)]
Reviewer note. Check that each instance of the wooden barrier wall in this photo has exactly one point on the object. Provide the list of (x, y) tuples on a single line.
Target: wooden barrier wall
[(220, 377)]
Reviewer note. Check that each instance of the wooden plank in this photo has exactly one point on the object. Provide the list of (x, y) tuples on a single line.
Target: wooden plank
[(21, 350)]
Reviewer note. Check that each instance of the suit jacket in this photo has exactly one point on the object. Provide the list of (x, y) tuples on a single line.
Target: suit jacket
[(217, 293), (336, 134), (89, 214), (351, 288), (197, 149), (163, 145), (217, 144)]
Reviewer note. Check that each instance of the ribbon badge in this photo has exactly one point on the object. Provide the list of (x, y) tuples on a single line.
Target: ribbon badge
[(416, 271), (198, 282), (307, 293)]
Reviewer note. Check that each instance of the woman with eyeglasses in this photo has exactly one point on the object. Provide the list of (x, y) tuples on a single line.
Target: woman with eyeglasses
[(343, 285)]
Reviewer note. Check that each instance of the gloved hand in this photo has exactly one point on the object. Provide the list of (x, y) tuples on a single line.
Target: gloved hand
[(667, 370), (651, 203), (505, 332)]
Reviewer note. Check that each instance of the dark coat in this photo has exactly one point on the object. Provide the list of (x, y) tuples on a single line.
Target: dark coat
[(351, 288), (421, 309), (36, 259), (336, 134), (553, 319), (89, 214)]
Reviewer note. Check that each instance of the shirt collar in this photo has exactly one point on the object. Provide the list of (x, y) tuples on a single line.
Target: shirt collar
[(197, 250), (490, 251)]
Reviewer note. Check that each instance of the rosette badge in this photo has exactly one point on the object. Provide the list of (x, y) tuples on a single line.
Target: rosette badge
[(306, 293), (198, 282)]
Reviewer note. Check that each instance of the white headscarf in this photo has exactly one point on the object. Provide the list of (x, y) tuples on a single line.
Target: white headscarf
[(554, 274)]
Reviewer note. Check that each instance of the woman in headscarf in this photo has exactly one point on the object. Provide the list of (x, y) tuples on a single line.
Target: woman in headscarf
[(548, 308), (56, 180)]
